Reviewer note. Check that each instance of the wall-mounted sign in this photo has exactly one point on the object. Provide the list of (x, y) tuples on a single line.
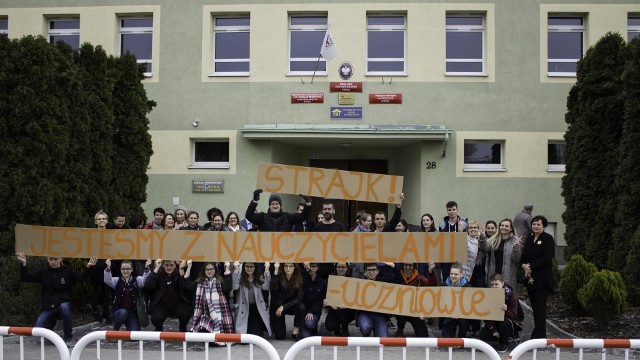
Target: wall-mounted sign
[(207, 186), (345, 71), (346, 87), (350, 112), (385, 98), (346, 98), (307, 98)]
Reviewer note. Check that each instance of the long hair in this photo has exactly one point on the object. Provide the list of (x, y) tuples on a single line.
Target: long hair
[(433, 225), (258, 279), (295, 282), (202, 277), (495, 240)]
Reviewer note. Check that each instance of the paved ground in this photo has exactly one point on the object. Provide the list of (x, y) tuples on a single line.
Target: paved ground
[(152, 350)]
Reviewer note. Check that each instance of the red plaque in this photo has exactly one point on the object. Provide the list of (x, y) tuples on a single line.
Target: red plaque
[(307, 98), (346, 87), (385, 98)]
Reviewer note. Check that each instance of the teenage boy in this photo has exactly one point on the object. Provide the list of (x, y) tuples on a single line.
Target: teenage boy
[(451, 223), (502, 331), (450, 325)]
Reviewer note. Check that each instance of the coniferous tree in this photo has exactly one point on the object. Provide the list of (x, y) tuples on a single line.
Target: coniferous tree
[(595, 126)]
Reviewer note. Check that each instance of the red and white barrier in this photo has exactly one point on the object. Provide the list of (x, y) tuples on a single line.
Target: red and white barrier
[(42, 333), (580, 344), (185, 338), (358, 342)]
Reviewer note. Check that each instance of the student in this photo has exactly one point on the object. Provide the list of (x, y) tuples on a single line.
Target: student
[(339, 317), (451, 223), (407, 274), (502, 331), (100, 293), (125, 299), (450, 325), (168, 295), (251, 309), (57, 282), (314, 290), (275, 219), (328, 224), (369, 321), (286, 299), (211, 311), (158, 215)]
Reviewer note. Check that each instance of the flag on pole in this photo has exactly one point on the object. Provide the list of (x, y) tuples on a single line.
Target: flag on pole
[(329, 49)]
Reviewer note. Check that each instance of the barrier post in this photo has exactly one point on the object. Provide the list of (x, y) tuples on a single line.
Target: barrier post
[(42, 333), (579, 344)]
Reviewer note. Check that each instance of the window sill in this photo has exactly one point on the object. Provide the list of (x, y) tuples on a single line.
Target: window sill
[(556, 168), (209, 166), (238, 74), (466, 74), (398, 74), (562, 74), (306, 73), (484, 170)]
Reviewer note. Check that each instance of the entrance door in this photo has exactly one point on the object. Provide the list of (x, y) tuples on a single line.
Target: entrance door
[(346, 210)]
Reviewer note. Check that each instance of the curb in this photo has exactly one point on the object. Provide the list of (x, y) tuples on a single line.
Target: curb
[(15, 339)]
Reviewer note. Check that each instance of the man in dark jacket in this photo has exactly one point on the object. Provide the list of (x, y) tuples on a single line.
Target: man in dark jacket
[(275, 219), (168, 295), (57, 281)]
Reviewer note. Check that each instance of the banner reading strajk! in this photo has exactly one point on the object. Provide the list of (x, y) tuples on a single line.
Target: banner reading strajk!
[(241, 246), (329, 183), (428, 301)]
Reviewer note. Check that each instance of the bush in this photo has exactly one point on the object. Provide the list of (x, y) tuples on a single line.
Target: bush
[(555, 273), (20, 301), (577, 273), (604, 296)]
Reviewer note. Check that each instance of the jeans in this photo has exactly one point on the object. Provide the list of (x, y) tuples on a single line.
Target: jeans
[(368, 321), (48, 318), (450, 326), (127, 317), (310, 327)]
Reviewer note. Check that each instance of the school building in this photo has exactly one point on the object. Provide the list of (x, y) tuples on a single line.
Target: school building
[(465, 100)]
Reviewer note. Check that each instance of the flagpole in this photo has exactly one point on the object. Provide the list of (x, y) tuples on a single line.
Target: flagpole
[(314, 70)]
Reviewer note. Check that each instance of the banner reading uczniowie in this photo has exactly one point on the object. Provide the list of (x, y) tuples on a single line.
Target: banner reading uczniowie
[(241, 246), (428, 301)]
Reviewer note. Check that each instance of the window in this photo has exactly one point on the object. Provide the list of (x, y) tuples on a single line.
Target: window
[(555, 157), (465, 45), (633, 23), (136, 35), (210, 153), (483, 155), (66, 30), (386, 50), (4, 26), (231, 46), (565, 44), (306, 34)]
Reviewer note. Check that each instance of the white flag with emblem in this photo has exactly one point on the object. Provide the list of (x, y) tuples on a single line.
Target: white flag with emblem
[(329, 49)]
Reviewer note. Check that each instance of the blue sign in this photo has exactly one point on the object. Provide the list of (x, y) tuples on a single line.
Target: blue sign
[(350, 112)]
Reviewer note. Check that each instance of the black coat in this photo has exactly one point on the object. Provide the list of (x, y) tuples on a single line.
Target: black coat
[(280, 221), (539, 254), (56, 284)]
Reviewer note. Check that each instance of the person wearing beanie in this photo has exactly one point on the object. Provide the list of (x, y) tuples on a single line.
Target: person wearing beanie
[(275, 219)]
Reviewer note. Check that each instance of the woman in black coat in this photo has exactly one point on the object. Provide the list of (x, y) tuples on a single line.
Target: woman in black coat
[(537, 259)]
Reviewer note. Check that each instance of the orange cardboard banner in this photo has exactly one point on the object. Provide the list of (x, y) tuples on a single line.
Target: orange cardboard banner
[(428, 301), (329, 183), (72, 242)]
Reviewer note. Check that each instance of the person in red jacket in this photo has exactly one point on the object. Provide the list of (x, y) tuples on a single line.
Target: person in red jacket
[(408, 274)]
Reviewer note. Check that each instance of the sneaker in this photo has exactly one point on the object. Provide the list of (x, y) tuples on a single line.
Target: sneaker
[(345, 333), (70, 343), (399, 333), (502, 348)]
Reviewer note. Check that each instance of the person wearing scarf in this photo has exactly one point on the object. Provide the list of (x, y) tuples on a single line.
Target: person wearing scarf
[(211, 311), (408, 274)]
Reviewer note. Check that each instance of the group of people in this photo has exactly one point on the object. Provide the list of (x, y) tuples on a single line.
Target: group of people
[(254, 298)]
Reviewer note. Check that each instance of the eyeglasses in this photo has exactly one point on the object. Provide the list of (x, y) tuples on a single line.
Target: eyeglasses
[(341, 267), (408, 265), (372, 270), (313, 266), (209, 269)]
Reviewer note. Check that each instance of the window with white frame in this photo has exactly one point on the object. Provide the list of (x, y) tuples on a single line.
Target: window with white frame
[(231, 46), (66, 30), (465, 44), (136, 38), (210, 153), (483, 155), (4, 26), (386, 44), (555, 156), (633, 27), (565, 44), (306, 33)]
